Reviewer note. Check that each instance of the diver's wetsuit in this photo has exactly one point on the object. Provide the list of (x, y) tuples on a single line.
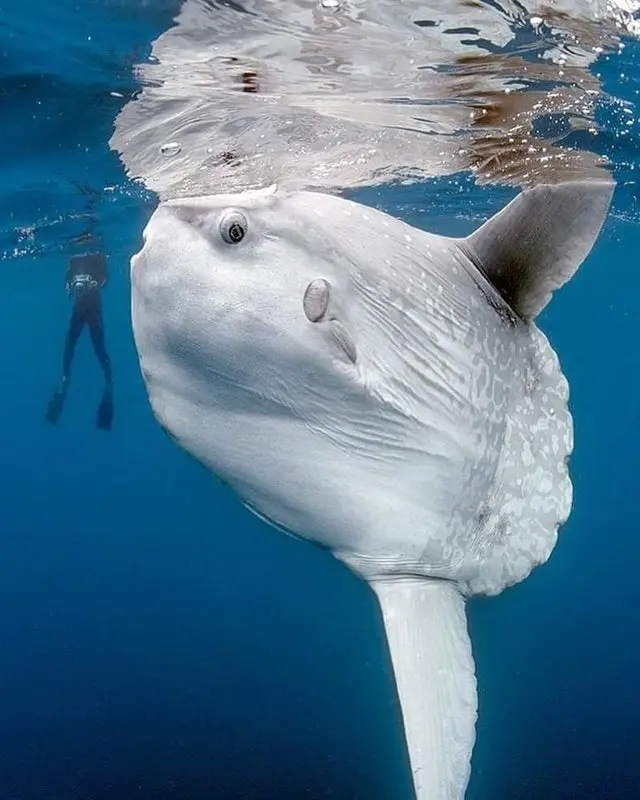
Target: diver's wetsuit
[(86, 276)]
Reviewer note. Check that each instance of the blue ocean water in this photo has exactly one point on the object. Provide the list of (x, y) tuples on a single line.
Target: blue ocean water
[(156, 640)]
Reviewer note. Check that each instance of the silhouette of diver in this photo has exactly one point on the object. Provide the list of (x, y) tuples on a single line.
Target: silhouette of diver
[(86, 276)]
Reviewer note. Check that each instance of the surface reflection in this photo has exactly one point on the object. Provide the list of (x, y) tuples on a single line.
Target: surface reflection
[(353, 92)]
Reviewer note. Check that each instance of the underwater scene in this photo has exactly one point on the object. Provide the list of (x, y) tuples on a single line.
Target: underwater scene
[(320, 400)]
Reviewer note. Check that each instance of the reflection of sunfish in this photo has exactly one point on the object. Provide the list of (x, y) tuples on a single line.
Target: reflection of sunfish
[(380, 391)]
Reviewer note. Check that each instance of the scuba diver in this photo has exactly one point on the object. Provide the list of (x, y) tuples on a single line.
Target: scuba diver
[(86, 277)]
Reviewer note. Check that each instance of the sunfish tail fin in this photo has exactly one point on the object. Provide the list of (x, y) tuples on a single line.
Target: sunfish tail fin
[(426, 630), (537, 242)]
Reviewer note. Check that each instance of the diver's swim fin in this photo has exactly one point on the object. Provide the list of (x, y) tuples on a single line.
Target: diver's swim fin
[(56, 404), (104, 418)]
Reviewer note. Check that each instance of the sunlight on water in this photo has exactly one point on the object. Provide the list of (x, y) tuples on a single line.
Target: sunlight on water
[(354, 92)]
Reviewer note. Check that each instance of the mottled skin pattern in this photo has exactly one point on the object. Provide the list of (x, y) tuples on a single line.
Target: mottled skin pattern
[(440, 453)]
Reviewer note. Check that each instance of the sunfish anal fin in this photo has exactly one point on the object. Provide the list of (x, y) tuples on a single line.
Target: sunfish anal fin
[(537, 242), (426, 628)]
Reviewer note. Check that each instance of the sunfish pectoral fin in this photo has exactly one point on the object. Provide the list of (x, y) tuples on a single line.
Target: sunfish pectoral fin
[(538, 241), (426, 630), (341, 337), (316, 303)]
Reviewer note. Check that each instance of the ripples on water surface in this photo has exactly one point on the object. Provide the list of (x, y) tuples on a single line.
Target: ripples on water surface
[(425, 102), (339, 95), (360, 92)]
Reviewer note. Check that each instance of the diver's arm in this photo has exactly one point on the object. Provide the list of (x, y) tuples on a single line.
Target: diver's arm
[(69, 278)]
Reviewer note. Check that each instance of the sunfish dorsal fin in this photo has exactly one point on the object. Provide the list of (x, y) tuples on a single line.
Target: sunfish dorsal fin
[(538, 241)]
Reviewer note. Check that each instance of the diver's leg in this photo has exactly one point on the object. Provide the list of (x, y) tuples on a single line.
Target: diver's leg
[(96, 329), (56, 403), (104, 419), (73, 334)]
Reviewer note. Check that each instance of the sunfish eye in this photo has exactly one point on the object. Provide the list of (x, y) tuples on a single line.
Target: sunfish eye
[(233, 227)]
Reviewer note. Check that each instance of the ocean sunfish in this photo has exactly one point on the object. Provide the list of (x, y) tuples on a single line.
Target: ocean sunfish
[(382, 392)]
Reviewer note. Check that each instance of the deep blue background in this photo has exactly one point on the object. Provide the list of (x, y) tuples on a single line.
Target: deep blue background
[(156, 640)]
